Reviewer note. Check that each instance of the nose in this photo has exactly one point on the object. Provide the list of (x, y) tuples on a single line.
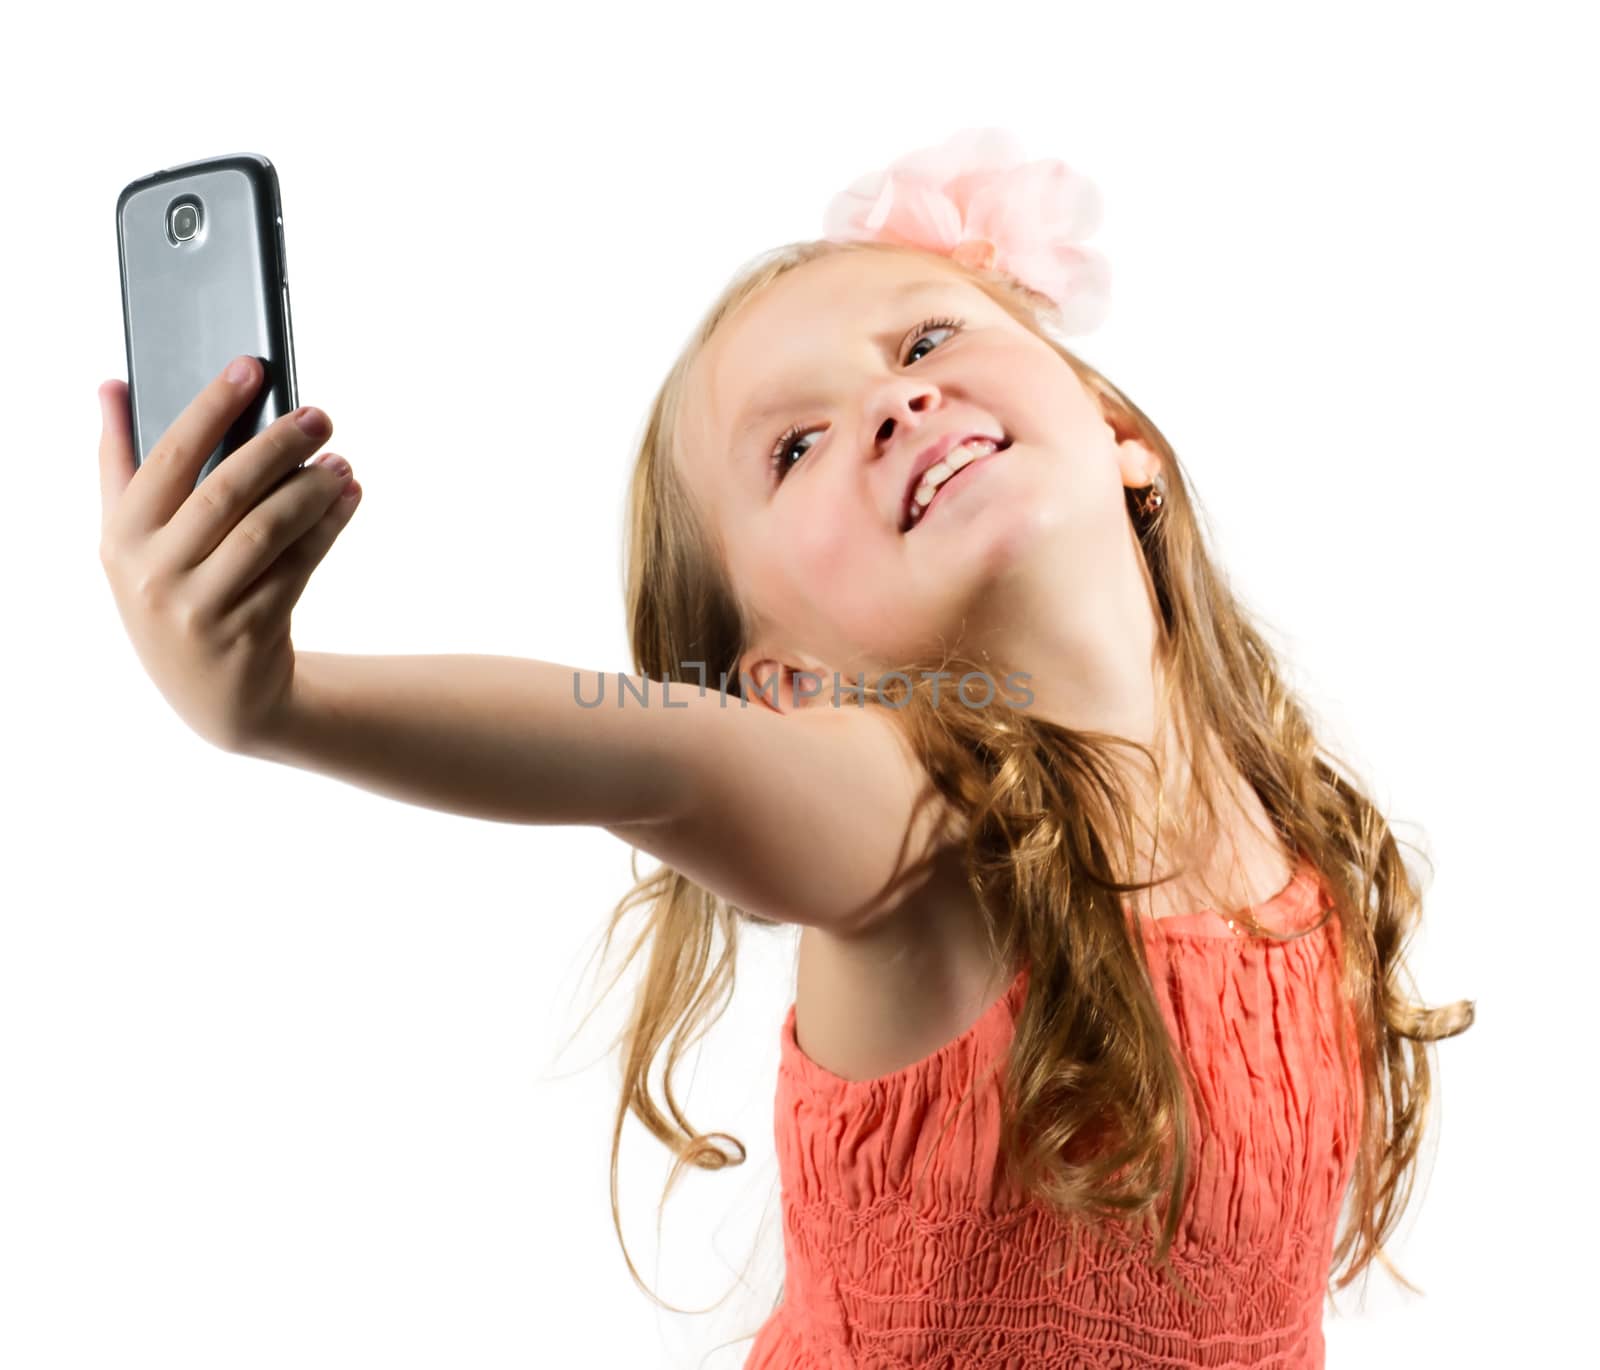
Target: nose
[(898, 405)]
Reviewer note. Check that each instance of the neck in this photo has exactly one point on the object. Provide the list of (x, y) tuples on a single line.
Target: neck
[(1099, 666)]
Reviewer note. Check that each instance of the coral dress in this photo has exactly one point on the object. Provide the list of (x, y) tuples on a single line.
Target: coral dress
[(974, 1274)]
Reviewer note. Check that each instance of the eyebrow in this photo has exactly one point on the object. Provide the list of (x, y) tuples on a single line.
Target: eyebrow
[(752, 418)]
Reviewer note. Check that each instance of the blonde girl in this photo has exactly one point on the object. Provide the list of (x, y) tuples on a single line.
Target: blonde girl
[(1100, 1013)]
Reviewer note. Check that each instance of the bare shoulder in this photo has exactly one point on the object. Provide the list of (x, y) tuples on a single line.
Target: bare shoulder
[(874, 1000), (871, 1004), (826, 818)]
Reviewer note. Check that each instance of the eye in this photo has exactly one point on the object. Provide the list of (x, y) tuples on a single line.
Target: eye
[(792, 435)]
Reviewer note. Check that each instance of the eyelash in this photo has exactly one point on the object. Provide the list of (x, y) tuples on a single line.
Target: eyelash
[(797, 431)]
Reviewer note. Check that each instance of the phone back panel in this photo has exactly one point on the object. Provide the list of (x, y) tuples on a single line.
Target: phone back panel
[(204, 280)]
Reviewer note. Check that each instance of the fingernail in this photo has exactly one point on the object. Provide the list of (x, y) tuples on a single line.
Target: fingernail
[(240, 371), (312, 422)]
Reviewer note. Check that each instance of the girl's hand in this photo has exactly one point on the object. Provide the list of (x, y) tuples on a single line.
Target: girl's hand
[(205, 577)]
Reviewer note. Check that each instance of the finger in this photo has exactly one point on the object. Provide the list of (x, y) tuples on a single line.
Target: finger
[(167, 476), (270, 601), (250, 476), (264, 535), (116, 449)]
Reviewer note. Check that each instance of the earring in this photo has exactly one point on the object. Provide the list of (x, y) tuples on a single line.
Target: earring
[(1152, 500)]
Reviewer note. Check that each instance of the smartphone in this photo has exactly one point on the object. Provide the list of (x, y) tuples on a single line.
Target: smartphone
[(204, 280)]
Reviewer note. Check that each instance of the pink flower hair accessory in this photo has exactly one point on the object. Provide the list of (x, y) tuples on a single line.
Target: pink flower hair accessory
[(974, 199)]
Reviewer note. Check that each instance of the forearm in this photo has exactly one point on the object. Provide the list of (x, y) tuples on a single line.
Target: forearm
[(491, 737)]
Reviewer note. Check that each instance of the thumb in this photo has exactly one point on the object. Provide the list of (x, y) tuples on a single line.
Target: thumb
[(116, 448)]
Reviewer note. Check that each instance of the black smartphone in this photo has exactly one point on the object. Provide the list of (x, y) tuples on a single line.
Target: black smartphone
[(204, 280)]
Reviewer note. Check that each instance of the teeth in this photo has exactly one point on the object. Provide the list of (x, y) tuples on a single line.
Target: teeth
[(942, 470)]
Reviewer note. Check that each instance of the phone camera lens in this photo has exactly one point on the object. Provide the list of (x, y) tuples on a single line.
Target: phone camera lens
[(185, 221)]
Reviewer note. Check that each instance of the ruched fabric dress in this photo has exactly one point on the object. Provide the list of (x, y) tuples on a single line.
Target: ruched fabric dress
[(972, 1273)]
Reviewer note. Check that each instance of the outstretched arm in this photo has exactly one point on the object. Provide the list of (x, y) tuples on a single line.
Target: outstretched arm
[(493, 737), (807, 817)]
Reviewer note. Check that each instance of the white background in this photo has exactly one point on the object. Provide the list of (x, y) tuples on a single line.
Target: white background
[(284, 1074)]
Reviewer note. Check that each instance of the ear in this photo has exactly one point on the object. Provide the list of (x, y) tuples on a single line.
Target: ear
[(1137, 462), (784, 686)]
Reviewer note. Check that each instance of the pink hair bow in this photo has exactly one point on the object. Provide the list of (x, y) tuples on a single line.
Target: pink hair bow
[(974, 199)]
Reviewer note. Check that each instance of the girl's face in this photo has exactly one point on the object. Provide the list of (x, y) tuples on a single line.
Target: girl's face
[(863, 360)]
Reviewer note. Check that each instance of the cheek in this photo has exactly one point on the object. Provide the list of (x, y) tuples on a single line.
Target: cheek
[(1044, 398), (819, 558), (795, 565), (833, 579)]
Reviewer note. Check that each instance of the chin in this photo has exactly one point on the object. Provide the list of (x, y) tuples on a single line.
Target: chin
[(1013, 519)]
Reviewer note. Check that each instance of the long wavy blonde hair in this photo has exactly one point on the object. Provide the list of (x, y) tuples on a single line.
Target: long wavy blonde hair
[(1047, 807)]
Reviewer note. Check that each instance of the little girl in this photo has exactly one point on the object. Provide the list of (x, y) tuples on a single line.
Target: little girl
[(1098, 1014)]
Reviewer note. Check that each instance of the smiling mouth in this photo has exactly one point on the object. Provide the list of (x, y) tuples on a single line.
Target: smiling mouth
[(918, 512)]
